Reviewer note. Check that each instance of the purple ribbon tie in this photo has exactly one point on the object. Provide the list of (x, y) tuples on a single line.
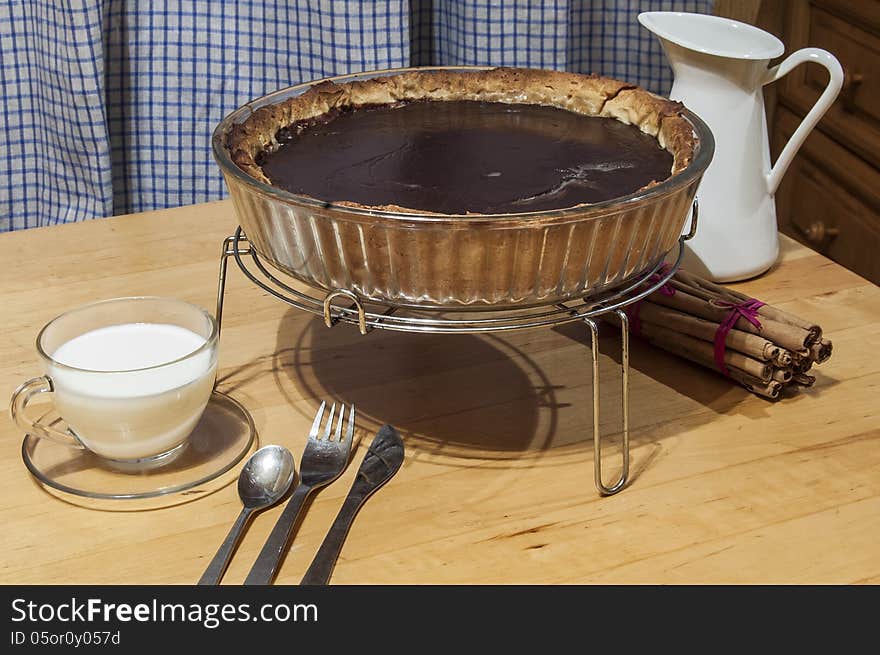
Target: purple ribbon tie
[(748, 310)]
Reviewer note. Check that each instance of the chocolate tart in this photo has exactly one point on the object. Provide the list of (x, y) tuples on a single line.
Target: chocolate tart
[(488, 142), (412, 251)]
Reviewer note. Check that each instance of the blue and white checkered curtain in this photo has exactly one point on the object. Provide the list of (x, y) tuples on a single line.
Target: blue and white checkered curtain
[(108, 105)]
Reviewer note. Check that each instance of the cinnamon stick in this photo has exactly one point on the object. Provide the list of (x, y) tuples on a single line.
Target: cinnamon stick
[(821, 351), (783, 375), (744, 342), (699, 292), (783, 334), (804, 380), (783, 358), (703, 352), (802, 365), (767, 389), (814, 332)]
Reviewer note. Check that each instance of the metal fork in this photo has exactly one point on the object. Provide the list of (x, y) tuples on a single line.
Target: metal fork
[(324, 459)]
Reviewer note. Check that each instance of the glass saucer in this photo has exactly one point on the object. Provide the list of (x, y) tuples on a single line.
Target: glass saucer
[(223, 437)]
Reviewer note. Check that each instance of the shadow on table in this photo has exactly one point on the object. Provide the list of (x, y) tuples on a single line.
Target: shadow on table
[(460, 395)]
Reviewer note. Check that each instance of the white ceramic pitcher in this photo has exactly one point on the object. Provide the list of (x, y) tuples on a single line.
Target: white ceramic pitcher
[(720, 66)]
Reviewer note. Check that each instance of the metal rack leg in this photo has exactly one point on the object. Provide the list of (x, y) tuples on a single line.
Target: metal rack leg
[(597, 436), (228, 244)]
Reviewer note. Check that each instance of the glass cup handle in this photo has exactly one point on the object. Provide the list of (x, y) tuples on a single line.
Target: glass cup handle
[(20, 399), (835, 82)]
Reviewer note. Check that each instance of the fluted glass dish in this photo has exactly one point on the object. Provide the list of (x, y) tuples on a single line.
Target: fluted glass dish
[(445, 261)]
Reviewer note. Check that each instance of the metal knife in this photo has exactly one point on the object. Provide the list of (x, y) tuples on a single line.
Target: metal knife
[(382, 461)]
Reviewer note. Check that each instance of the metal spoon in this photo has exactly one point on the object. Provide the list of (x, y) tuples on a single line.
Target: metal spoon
[(263, 481)]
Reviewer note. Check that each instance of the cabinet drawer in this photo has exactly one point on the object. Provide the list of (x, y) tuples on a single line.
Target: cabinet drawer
[(828, 201), (854, 120)]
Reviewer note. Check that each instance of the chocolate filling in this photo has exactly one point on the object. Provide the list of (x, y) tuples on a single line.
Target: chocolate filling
[(460, 157)]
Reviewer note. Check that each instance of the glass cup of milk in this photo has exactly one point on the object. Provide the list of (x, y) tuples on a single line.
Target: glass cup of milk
[(131, 377)]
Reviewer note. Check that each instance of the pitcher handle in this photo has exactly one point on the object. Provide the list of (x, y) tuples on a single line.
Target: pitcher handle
[(835, 82), (20, 399)]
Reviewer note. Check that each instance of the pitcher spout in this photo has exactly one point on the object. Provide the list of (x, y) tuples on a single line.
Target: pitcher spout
[(711, 35)]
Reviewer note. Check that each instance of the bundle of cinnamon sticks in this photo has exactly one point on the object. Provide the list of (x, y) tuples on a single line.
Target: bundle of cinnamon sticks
[(766, 349)]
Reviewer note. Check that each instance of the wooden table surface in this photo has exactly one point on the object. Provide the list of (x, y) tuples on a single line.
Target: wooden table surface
[(497, 484)]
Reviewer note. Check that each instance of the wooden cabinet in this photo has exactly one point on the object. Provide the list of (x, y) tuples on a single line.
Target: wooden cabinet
[(829, 200), (830, 197)]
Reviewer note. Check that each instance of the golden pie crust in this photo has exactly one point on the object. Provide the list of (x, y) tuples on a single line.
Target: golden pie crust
[(589, 95)]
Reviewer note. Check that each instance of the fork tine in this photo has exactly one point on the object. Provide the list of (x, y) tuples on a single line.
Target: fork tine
[(329, 425), (316, 424), (338, 434), (349, 431)]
